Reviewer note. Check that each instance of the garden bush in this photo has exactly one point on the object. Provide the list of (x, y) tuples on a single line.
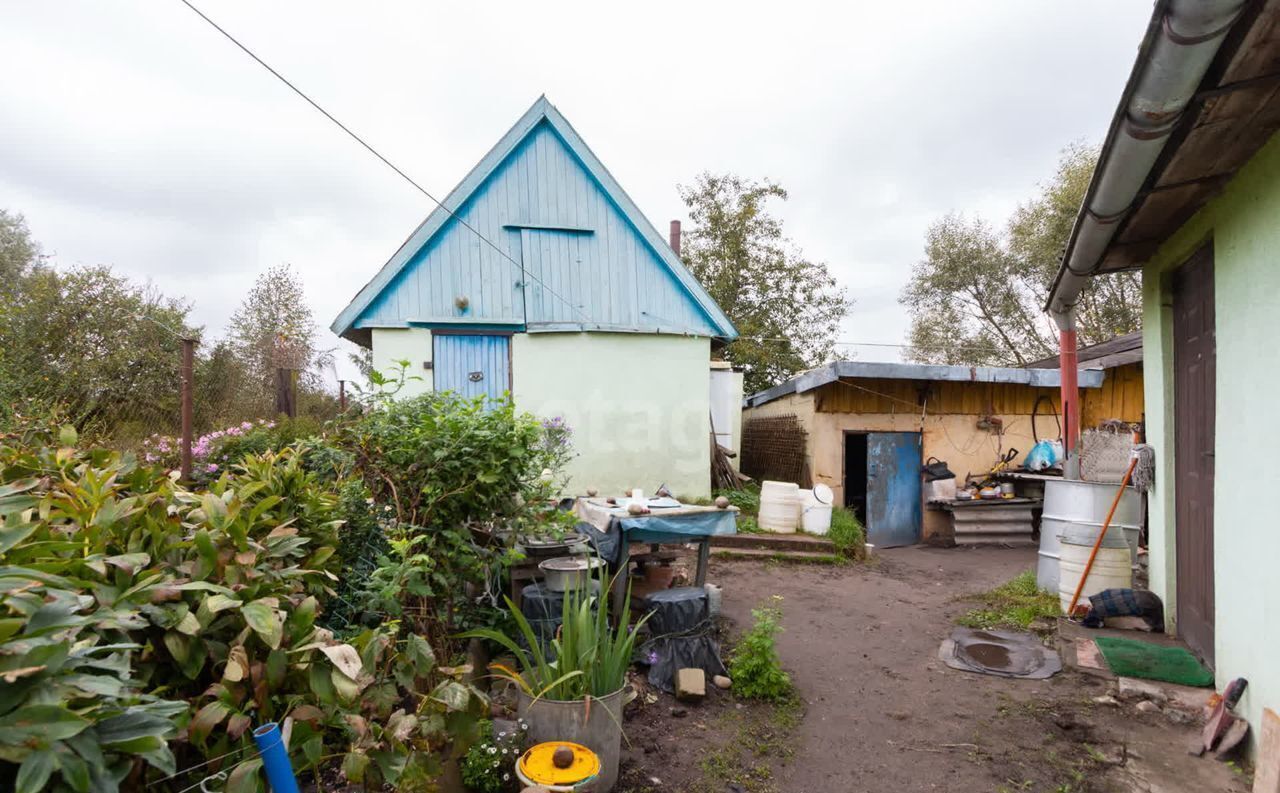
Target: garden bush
[(462, 478), (143, 625), (756, 669)]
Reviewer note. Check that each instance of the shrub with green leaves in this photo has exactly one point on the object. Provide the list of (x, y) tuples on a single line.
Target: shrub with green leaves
[(462, 478), (134, 611), (756, 669)]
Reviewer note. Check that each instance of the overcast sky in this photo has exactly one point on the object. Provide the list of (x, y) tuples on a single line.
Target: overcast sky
[(133, 134)]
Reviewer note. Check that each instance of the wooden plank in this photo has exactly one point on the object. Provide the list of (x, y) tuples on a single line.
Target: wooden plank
[(1266, 775)]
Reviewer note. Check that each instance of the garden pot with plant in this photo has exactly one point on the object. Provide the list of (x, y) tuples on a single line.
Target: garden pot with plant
[(579, 695)]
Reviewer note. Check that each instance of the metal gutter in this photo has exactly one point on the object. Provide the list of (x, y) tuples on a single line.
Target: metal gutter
[(1181, 42), (865, 370)]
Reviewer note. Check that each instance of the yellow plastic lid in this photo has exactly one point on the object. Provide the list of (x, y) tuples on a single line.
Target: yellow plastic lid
[(539, 768)]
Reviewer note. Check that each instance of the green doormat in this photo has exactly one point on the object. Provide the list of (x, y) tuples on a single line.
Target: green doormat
[(1129, 658)]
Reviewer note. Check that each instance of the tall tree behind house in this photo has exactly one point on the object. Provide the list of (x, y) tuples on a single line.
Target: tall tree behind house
[(977, 297), (786, 307), (274, 329)]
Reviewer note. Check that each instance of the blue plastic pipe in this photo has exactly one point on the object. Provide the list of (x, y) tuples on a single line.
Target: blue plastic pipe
[(275, 759)]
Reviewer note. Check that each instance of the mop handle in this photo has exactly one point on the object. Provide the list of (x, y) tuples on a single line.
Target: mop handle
[(1106, 524)]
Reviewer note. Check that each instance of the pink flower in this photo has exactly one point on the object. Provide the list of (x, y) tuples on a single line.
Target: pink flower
[(211, 468)]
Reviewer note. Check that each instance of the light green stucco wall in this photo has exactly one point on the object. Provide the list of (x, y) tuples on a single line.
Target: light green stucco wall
[(1244, 226), (639, 405), (404, 344)]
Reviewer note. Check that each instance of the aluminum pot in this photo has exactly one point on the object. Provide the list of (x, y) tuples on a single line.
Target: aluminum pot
[(564, 573)]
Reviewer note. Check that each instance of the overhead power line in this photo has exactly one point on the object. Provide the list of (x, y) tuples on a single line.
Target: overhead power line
[(524, 274)]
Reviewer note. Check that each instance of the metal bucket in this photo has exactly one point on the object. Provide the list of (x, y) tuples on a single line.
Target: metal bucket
[(598, 727), (1077, 509)]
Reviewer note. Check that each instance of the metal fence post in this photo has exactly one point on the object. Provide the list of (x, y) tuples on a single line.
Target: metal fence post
[(342, 396), (188, 404)]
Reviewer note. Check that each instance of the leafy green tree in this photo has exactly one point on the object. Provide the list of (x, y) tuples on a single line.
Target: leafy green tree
[(19, 253), (787, 308), (977, 297), (103, 348), (274, 329)]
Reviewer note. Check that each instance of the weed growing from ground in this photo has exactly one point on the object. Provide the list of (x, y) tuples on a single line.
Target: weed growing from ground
[(847, 533), (756, 669), (1015, 604)]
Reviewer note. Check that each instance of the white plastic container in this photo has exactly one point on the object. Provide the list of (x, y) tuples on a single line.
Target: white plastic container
[(715, 596), (815, 509), (779, 505), (1110, 569)]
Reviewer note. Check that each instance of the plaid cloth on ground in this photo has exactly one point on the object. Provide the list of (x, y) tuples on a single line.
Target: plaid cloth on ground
[(1125, 603)]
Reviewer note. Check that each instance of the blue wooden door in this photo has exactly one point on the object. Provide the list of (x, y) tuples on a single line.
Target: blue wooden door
[(472, 365), (894, 513)]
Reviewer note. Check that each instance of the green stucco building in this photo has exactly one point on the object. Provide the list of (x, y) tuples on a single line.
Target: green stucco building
[(1188, 191)]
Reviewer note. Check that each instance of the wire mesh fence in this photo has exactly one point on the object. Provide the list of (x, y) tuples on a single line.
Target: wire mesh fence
[(166, 394)]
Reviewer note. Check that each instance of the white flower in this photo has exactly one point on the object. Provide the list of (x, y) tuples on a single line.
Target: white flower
[(492, 750), (506, 777)]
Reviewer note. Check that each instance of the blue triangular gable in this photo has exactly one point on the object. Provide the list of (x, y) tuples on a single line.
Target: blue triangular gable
[(563, 248)]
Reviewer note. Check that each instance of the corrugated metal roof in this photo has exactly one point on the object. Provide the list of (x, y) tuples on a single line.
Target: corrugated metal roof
[(848, 370), (1104, 355), (579, 255)]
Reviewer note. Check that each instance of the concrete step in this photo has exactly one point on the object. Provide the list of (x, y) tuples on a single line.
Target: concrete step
[(770, 554), (774, 542)]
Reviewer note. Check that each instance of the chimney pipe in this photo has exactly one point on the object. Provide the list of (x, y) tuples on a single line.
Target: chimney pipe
[(674, 237)]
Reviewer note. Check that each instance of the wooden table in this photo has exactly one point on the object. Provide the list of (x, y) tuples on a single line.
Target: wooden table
[(699, 524)]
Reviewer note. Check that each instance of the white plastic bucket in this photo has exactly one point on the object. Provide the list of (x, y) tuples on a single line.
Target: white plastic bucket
[(778, 507), (1110, 569), (815, 509)]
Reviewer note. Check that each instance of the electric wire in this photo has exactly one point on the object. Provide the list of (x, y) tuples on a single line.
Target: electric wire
[(453, 215)]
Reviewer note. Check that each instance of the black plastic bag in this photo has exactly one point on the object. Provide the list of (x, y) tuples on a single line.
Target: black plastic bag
[(935, 469)]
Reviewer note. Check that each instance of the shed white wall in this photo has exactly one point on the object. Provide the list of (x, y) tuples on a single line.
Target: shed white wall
[(391, 345), (638, 404)]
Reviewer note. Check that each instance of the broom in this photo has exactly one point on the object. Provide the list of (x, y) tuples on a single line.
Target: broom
[(1142, 471)]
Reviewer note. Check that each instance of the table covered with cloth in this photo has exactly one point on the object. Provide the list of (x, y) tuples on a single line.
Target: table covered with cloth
[(608, 524)]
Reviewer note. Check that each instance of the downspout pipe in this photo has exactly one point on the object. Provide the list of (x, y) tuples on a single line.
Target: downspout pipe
[(1183, 40), (1181, 43)]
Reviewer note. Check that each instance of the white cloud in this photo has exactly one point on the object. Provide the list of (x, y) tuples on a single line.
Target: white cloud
[(131, 133)]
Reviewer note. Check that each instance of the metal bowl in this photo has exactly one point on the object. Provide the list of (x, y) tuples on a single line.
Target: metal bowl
[(568, 572)]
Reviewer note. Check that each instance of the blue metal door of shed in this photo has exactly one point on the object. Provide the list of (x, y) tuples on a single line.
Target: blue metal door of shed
[(894, 514), (472, 364)]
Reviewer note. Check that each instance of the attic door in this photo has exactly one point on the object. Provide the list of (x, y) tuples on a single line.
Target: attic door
[(472, 364), (560, 286)]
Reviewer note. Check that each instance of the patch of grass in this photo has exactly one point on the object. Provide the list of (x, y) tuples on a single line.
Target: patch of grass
[(746, 498), (847, 533), (747, 524), (764, 735), (1015, 604)]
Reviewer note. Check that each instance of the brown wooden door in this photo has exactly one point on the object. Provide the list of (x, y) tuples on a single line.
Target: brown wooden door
[(1194, 370)]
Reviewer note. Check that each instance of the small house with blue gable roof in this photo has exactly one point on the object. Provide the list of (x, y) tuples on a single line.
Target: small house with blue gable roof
[(539, 276)]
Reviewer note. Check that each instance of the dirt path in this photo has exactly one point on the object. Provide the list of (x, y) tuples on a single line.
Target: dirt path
[(882, 713)]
